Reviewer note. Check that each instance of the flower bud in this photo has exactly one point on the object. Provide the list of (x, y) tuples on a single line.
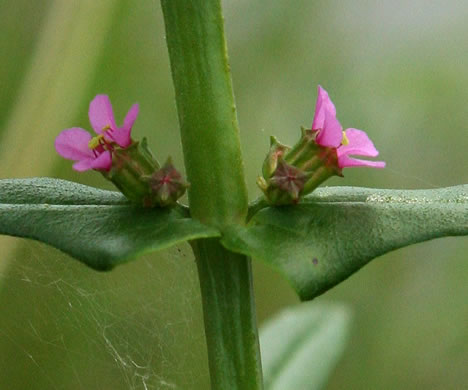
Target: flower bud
[(289, 173), (321, 152), (166, 185), (129, 166), (286, 184), (138, 175)]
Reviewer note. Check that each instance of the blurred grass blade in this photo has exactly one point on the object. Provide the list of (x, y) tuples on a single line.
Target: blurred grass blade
[(337, 230), (301, 346), (99, 228), (54, 88)]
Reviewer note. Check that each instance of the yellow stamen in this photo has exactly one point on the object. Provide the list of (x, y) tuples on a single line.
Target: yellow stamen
[(345, 140), (95, 142)]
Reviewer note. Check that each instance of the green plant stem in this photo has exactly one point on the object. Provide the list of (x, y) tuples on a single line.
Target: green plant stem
[(229, 314), (206, 108), (217, 196)]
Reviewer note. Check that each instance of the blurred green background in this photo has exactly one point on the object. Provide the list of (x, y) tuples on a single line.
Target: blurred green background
[(397, 69)]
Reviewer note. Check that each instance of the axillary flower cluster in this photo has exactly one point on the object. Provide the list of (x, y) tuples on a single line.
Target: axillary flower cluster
[(127, 163), (322, 151)]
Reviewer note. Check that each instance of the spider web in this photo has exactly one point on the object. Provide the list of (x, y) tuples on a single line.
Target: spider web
[(64, 326)]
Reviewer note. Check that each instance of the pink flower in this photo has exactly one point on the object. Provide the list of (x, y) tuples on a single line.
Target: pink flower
[(350, 142), (96, 153)]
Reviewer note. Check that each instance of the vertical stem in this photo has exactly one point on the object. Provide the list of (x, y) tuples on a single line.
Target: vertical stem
[(217, 196), (229, 313), (207, 113)]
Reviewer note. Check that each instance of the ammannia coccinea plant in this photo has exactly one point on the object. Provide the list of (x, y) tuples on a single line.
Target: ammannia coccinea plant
[(314, 241)]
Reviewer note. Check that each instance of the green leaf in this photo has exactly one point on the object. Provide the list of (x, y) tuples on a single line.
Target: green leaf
[(337, 230), (301, 346), (99, 228)]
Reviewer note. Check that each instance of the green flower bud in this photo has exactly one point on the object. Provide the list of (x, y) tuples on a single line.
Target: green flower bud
[(138, 175)]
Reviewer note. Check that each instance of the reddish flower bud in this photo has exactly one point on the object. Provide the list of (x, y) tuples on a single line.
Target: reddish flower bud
[(167, 185)]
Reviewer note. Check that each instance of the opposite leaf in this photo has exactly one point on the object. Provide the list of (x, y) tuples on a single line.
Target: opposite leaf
[(99, 228), (337, 230), (301, 346)]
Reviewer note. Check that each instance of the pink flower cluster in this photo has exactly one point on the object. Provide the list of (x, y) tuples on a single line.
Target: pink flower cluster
[(96, 153), (330, 134)]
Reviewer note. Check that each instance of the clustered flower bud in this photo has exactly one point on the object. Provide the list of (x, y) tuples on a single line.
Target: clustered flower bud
[(321, 152), (128, 164)]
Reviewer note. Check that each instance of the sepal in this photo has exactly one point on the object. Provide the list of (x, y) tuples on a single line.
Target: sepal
[(277, 150)]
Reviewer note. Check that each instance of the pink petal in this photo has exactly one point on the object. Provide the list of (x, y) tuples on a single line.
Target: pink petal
[(131, 116), (83, 165), (345, 161), (323, 104), (122, 135), (331, 133), (359, 144), (100, 114), (102, 162), (72, 144)]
